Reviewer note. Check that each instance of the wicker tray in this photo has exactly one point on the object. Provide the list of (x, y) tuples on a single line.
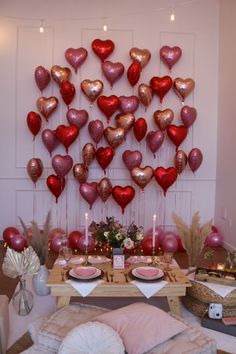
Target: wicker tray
[(223, 277)]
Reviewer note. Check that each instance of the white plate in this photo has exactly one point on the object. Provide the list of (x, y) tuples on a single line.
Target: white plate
[(92, 276), (98, 259), (157, 276)]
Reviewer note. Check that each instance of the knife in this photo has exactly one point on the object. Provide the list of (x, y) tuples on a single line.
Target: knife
[(169, 277)]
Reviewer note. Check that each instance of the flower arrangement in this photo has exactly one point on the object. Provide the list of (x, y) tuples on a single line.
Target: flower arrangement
[(111, 232)]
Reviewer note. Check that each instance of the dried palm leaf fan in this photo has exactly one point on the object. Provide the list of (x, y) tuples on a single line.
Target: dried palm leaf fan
[(193, 236)]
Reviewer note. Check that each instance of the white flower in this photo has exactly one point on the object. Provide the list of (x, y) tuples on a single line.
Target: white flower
[(128, 243), (118, 236), (106, 234), (139, 236)]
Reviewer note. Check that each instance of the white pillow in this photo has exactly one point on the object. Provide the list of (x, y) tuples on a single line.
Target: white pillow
[(92, 337)]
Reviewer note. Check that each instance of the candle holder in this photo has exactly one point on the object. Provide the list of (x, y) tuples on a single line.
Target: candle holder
[(153, 256), (86, 262)]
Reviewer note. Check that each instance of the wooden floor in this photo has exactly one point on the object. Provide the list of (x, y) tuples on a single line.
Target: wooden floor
[(7, 285)]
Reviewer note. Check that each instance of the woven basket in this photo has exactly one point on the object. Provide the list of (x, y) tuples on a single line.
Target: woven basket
[(204, 294), (199, 308)]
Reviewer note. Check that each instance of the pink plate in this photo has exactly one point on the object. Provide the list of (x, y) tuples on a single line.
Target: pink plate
[(147, 272), (85, 271)]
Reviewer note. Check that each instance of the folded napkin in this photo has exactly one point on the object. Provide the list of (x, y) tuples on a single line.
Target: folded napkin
[(149, 289), (222, 290), (84, 288)]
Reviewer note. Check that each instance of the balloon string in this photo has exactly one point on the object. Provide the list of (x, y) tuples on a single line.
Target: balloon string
[(66, 207), (34, 200), (164, 213)]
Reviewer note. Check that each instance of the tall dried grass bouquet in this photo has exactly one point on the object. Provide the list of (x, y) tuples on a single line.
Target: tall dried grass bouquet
[(39, 238)]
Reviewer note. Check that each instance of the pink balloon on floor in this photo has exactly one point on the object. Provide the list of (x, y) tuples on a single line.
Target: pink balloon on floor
[(74, 238), (57, 242), (57, 231), (82, 243), (146, 245), (18, 243), (215, 239), (170, 244)]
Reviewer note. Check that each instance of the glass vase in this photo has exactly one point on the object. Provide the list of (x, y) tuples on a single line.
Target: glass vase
[(23, 299), (40, 281)]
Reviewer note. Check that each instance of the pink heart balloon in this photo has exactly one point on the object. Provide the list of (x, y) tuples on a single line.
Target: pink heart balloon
[(188, 115), (128, 104), (96, 130), (50, 140), (154, 140), (89, 192), (132, 158), (76, 57), (195, 158), (77, 117), (42, 77), (62, 164), (169, 55), (112, 71)]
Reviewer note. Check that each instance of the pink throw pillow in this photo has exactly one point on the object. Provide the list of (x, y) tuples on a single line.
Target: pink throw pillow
[(142, 326)]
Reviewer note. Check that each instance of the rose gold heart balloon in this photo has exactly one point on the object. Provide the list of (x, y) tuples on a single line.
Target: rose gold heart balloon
[(88, 153), (142, 176), (104, 189), (47, 105), (142, 56), (145, 95), (180, 161), (35, 169), (92, 89), (125, 121), (114, 136), (60, 74), (80, 172), (183, 87), (163, 118)]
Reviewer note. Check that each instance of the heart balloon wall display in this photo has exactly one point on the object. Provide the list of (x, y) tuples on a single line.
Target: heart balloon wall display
[(77, 117), (76, 57), (103, 48), (128, 104), (145, 95), (56, 185), (108, 105), (114, 136), (91, 89), (34, 122), (161, 85), (141, 56), (67, 91), (60, 74), (177, 134), (42, 77), (170, 55), (140, 128), (195, 158), (188, 115), (163, 118), (104, 156), (132, 159), (80, 172), (96, 130), (47, 106), (183, 87), (67, 135), (50, 140), (133, 73), (125, 121), (89, 192), (142, 176), (88, 153), (62, 165), (34, 168), (104, 189), (165, 177), (180, 161), (154, 140), (112, 71), (123, 196)]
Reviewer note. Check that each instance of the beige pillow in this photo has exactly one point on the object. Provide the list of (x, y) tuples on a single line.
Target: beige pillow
[(142, 326)]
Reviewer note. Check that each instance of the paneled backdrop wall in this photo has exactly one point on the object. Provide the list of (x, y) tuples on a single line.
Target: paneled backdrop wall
[(23, 48)]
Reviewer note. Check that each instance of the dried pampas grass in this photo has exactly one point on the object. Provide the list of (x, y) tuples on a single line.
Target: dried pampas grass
[(193, 236)]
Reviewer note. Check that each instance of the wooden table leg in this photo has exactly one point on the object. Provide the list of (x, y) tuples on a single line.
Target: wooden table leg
[(174, 304), (63, 301)]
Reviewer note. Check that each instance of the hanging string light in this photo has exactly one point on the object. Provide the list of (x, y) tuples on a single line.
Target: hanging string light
[(41, 28)]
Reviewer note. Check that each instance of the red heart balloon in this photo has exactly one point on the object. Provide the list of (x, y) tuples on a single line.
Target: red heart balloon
[(133, 73), (34, 122), (165, 177), (56, 185), (67, 91), (104, 156), (140, 128), (108, 105), (177, 134), (67, 135), (103, 48), (161, 85), (123, 195)]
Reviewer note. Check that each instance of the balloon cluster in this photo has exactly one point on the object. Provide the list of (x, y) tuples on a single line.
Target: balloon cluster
[(125, 122)]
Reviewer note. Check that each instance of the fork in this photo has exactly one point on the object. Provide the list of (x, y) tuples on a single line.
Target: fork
[(62, 275), (107, 278), (126, 277), (112, 275)]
